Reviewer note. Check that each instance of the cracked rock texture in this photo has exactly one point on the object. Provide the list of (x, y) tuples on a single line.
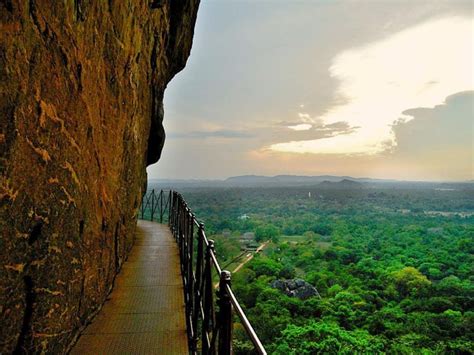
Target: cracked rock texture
[(81, 89)]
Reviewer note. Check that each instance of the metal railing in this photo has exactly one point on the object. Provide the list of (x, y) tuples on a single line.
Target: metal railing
[(209, 321), (154, 206)]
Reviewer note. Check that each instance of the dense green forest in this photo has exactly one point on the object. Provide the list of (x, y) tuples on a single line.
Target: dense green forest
[(393, 267)]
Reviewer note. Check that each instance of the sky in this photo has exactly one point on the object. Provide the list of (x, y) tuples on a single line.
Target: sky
[(381, 89)]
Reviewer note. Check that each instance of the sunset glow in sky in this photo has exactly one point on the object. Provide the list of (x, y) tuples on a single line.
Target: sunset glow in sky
[(417, 67), (361, 88)]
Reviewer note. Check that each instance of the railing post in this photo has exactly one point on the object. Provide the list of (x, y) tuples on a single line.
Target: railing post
[(176, 215), (208, 320), (225, 314), (190, 267), (172, 212), (179, 219), (161, 206), (197, 287), (152, 203), (170, 201)]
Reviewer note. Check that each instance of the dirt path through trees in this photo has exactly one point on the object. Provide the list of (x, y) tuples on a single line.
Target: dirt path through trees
[(250, 256)]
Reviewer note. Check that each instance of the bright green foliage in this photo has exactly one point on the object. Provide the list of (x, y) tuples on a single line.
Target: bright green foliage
[(410, 282), (392, 278), (325, 337), (265, 232)]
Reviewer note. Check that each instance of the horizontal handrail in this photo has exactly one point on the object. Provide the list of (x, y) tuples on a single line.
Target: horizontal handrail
[(209, 330), (246, 323)]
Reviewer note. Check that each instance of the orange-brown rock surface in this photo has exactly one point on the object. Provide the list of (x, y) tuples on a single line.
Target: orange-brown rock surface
[(81, 88)]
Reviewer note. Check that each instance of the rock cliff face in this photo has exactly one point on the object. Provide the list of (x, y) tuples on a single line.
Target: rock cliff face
[(81, 85)]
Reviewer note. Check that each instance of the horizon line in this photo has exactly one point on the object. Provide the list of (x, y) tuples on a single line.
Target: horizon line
[(223, 179)]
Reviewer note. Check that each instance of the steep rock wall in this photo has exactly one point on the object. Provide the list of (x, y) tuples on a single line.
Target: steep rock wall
[(81, 89)]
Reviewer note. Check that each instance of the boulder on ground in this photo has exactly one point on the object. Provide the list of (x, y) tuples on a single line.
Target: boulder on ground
[(295, 288)]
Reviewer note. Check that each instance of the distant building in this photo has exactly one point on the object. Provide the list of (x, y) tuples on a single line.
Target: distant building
[(247, 241), (248, 236), (244, 217), (252, 246)]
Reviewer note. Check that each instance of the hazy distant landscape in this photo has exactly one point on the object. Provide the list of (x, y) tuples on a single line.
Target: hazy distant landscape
[(342, 265), (321, 181)]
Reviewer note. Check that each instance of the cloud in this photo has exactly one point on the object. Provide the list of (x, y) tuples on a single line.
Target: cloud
[(304, 116), (339, 127), (301, 127), (417, 67), (296, 131), (435, 142), (222, 133), (316, 128), (432, 132)]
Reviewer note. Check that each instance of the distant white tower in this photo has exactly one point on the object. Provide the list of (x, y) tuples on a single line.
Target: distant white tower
[(309, 194)]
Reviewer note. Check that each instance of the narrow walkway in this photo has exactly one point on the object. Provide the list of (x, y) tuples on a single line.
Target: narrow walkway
[(145, 311)]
